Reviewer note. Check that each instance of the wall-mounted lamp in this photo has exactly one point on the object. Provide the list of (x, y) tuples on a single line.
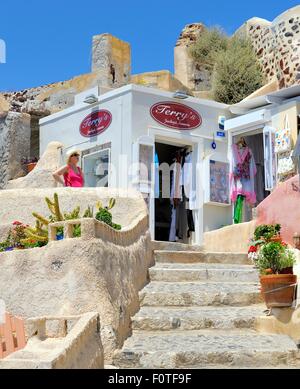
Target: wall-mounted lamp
[(91, 99), (182, 95)]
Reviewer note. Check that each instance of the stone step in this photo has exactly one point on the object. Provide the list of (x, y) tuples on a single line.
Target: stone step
[(177, 272), (199, 294), (190, 349), (173, 246), (201, 257), (196, 318)]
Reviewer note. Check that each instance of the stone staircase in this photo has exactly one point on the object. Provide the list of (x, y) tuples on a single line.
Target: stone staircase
[(199, 311)]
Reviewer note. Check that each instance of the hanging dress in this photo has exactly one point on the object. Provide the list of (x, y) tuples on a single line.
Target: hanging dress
[(242, 176)]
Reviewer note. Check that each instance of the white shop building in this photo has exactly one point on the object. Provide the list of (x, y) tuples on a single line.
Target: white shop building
[(120, 128), (270, 126)]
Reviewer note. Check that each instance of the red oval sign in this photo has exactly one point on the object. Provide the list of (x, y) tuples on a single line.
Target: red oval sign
[(95, 123), (175, 115)]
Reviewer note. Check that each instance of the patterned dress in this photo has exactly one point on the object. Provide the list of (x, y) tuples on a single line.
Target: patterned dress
[(242, 174)]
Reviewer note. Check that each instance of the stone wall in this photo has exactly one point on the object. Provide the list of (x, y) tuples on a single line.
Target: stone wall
[(224, 240), (42, 175), (112, 56), (14, 145), (277, 45), (163, 79), (102, 271), (287, 194), (72, 343)]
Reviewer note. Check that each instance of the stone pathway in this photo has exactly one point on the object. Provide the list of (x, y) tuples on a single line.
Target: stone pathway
[(199, 311)]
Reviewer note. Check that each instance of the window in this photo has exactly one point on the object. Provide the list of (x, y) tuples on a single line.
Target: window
[(96, 168)]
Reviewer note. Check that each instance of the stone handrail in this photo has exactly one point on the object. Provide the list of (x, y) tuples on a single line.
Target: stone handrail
[(38, 326), (92, 228), (79, 347)]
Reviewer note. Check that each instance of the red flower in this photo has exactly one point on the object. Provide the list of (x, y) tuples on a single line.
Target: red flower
[(252, 249), (17, 223)]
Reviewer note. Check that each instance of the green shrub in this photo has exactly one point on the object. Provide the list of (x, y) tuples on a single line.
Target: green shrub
[(267, 231), (232, 63), (237, 73), (104, 216), (208, 44)]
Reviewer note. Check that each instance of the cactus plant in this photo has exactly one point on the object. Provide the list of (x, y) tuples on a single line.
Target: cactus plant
[(38, 234), (54, 208), (89, 212), (41, 219), (75, 214), (105, 216), (111, 204)]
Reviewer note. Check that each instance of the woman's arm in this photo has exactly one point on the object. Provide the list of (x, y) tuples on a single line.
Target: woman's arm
[(59, 173)]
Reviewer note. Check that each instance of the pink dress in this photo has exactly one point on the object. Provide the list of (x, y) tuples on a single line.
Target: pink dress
[(242, 174), (73, 179)]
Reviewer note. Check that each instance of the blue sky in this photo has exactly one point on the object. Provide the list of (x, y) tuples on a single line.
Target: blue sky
[(49, 41)]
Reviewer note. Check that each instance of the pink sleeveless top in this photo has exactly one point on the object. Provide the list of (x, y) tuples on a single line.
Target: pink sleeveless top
[(73, 179)]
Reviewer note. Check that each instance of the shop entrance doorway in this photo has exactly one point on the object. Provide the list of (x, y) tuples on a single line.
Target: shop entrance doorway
[(174, 221), (255, 141)]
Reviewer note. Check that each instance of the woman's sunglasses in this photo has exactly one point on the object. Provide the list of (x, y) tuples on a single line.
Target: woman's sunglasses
[(75, 155)]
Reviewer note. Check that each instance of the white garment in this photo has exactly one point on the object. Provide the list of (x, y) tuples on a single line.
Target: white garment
[(156, 161), (172, 235), (189, 181), (176, 192)]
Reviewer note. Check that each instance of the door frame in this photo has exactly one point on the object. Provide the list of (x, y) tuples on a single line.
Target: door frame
[(252, 129), (181, 138)]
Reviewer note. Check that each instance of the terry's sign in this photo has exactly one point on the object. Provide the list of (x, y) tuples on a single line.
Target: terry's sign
[(175, 115), (95, 123)]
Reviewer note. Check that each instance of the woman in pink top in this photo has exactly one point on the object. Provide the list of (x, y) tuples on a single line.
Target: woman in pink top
[(71, 174)]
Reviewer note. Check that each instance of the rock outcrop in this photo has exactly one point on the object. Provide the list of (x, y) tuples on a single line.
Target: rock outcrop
[(191, 74), (277, 46), (102, 271), (41, 175), (14, 145)]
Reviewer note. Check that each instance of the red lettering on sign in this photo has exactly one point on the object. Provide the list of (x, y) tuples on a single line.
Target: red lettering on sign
[(95, 123), (175, 115)]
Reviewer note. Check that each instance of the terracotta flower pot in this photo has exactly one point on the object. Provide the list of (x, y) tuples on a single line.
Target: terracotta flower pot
[(278, 290), (288, 270), (31, 166)]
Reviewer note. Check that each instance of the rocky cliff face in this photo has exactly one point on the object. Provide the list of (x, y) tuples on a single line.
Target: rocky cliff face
[(191, 74), (276, 44)]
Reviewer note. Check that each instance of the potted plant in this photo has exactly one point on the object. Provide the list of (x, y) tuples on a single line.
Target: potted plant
[(263, 234), (268, 232), (275, 262), (30, 163)]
